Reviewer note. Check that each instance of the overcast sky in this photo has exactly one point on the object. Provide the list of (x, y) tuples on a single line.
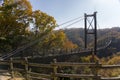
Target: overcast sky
[(63, 10)]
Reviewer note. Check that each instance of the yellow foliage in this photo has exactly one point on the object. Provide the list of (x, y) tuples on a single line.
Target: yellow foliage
[(114, 60), (69, 45)]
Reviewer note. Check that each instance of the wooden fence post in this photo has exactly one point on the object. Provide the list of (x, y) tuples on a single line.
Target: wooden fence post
[(26, 69), (96, 69), (54, 69), (11, 68)]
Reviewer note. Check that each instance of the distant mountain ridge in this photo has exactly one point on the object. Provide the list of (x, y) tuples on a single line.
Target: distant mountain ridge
[(76, 35)]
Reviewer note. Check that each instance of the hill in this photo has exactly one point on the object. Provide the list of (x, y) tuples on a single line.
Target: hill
[(76, 35)]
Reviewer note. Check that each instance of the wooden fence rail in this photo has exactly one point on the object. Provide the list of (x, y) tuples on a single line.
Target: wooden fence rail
[(54, 66)]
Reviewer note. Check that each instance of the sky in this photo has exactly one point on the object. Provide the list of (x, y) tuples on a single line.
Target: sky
[(108, 11), (0, 2)]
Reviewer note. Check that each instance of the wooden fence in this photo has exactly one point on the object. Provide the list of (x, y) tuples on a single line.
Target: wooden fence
[(55, 67)]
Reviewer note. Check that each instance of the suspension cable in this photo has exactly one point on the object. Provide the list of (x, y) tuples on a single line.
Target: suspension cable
[(74, 23), (70, 21)]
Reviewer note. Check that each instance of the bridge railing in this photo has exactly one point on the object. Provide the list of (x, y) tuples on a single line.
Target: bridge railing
[(58, 52), (56, 70)]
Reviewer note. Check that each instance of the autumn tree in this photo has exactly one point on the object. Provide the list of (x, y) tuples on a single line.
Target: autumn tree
[(54, 40), (15, 23), (15, 16), (45, 24), (19, 26), (42, 22), (69, 45)]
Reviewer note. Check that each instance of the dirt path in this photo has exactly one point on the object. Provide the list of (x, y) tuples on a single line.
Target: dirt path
[(9, 78), (4, 77)]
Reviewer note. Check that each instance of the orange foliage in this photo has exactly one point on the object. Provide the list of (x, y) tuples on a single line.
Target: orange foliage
[(69, 45)]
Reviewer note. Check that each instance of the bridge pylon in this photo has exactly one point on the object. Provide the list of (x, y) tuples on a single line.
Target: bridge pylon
[(90, 22)]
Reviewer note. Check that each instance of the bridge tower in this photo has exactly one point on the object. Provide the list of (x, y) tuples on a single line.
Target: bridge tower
[(90, 22)]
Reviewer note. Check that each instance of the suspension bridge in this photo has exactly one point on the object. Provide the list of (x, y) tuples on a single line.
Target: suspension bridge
[(26, 64), (90, 29)]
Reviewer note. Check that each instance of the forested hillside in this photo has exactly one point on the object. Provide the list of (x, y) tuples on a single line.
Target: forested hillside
[(76, 35)]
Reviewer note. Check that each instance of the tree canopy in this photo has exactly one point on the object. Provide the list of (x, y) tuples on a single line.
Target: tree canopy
[(19, 25)]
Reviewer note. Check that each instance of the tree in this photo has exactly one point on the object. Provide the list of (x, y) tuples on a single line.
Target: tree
[(42, 22), (16, 20), (15, 16), (69, 45), (55, 40)]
